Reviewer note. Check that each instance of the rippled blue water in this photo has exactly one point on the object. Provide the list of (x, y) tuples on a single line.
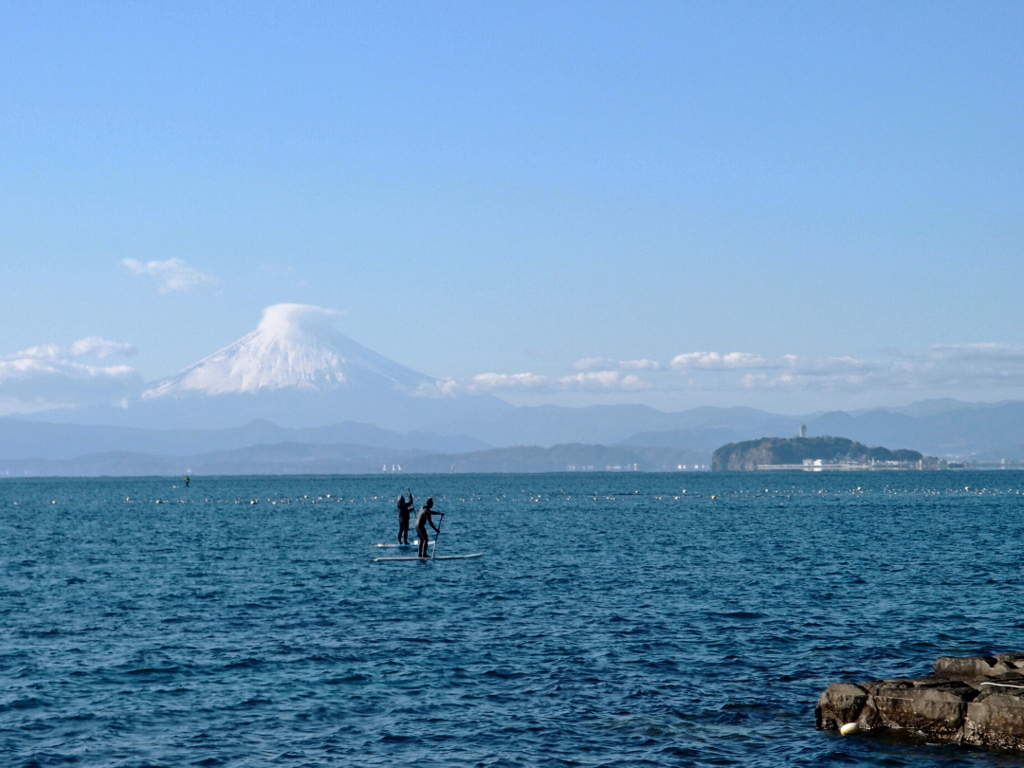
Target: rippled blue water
[(614, 620)]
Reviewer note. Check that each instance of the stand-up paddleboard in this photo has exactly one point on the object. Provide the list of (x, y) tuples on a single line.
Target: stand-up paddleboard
[(414, 544), (439, 557)]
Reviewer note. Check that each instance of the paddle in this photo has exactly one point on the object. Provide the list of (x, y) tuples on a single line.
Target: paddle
[(437, 536)]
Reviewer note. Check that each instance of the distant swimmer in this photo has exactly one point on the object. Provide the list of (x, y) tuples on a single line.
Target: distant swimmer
[(405, 509), (187, 480), (423, 519)]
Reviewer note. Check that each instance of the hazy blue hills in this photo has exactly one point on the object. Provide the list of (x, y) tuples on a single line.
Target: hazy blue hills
[(973, 431), (305, 458), (288, 407), (945, 428), (697, 429), (20, 438), (278, 459), (501, 439), (297, 395)]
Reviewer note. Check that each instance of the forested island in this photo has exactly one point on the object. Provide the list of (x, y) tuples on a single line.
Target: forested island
[(815, 453)]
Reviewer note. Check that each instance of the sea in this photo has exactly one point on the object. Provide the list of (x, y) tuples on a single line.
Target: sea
[(613, 619)]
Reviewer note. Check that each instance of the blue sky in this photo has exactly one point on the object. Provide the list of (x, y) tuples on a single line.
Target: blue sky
[(785, 205)]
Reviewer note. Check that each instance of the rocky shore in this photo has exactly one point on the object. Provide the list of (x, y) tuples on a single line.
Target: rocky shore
[(974, 700)]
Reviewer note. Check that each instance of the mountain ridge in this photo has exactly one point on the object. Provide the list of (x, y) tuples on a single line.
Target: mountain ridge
[(985, 433)]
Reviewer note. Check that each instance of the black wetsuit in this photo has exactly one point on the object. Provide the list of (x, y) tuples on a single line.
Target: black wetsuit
[(404, 511), (422, 520)]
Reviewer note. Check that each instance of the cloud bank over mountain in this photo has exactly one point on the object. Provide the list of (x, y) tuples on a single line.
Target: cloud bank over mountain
[(587, 381), (296, 349), (47, 377), (978, 367)]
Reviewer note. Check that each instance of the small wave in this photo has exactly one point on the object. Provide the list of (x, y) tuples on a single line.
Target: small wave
[(30, 702), (248, 662), (745, 615), (348, 679)]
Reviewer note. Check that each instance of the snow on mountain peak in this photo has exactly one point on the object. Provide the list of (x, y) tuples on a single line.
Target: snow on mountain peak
[(297, 323), (295, 346)]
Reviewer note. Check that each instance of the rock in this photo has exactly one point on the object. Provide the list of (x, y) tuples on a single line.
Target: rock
[(977, 701), (933, 708), (996, 719), (840, 703), (977, 667)]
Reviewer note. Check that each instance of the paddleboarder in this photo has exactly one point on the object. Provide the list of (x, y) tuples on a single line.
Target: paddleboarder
[(405, 509), (423, 519)]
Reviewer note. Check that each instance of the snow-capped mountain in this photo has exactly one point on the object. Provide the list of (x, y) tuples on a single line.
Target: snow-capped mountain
[(295, 370), (295, 347)]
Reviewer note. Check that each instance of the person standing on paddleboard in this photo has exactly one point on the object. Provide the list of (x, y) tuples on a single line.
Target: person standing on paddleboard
[(405, 509), (423, 519)]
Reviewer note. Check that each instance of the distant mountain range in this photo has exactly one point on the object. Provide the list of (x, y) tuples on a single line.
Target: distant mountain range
[(20, 438), (948, 429), (544, 438), (295, 395), (308, 458)]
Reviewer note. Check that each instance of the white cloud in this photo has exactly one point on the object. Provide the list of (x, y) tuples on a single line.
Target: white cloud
[(170, 275), (44, 378), (605, 364), (789, 371), (717, 360), (90, 345), (640, 365), (602, 381), (588, 381), (40, 352), (954, 367), (494, 381), (28, 384), (100, 347), (963, 370), (948, 370), (981, 364)]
